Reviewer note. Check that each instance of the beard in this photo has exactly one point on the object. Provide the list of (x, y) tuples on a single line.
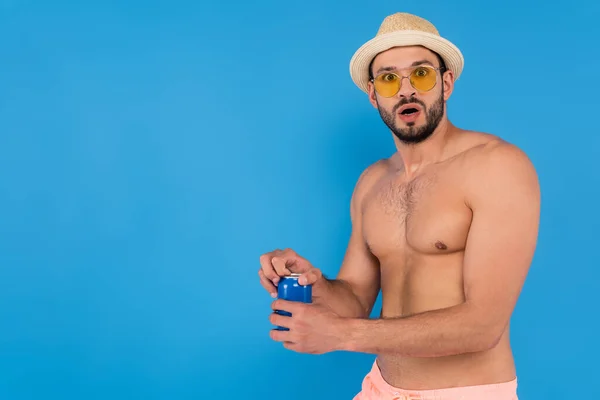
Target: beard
[(414, 134)]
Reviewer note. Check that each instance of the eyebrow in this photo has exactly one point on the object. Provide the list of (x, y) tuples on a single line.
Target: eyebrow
[(414, 64)]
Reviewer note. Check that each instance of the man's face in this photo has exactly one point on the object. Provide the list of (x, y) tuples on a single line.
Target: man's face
[(412, 115)]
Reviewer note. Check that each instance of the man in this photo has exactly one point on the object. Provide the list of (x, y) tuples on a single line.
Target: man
[(446, 228)]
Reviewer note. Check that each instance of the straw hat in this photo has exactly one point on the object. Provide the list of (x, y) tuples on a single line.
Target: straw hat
[(402, 29)]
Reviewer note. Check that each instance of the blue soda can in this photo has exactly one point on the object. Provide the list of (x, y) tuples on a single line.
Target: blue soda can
[(289, 289)]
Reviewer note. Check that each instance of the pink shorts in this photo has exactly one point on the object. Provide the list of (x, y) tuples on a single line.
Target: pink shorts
[(374, 387)]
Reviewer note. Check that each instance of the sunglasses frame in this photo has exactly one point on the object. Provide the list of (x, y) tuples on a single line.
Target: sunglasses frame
[(401, 78)]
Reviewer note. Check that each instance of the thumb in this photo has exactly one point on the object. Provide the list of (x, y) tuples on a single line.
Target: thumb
[(310, 277)]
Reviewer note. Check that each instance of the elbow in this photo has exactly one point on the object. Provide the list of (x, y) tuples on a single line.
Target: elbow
[(362, 310), (359, 302), (487, 337), (486, 328), (487, 342), (366, 307)]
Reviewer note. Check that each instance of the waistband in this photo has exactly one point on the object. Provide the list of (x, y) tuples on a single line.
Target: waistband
[(493, 391)]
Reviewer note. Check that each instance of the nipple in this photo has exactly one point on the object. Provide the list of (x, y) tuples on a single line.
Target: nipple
[(440, 246)]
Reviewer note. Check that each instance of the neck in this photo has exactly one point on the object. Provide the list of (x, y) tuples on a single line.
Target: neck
[(415, 156)]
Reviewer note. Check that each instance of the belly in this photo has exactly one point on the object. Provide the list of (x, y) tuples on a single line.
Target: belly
[(416, 284), (492, 366), (412, 285)]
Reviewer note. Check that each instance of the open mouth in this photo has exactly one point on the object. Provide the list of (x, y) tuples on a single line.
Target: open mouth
[(409, 111)]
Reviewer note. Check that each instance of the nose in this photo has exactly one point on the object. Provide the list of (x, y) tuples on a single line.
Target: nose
[(406, 89)]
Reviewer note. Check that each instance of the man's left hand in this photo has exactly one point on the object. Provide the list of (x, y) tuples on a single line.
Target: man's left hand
[(313, 328)]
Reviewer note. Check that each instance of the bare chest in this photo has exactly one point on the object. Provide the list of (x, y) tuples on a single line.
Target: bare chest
[(424, 215)]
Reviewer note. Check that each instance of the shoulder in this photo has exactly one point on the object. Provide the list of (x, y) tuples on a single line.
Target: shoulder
[(496, 157), (371, 175), (368, 179), (484, 153), (496, 167)]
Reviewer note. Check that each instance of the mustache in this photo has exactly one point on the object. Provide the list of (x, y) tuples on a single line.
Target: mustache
[(405, 100)]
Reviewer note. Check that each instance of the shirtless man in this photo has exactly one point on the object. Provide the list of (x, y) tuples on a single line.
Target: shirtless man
[(446, 228)]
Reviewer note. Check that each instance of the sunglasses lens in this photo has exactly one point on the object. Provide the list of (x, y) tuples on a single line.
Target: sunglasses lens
[(387, 84), (423, 78)]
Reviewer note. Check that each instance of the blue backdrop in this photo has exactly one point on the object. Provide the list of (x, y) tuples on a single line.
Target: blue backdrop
[(151, 151)]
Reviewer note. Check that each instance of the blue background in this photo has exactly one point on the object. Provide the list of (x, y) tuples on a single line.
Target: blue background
[(151, 151)]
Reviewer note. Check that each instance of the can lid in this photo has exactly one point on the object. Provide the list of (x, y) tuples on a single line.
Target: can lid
[(295, 275)]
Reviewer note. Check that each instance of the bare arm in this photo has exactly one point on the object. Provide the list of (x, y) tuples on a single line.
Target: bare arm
[(353, 292), (498, 254)]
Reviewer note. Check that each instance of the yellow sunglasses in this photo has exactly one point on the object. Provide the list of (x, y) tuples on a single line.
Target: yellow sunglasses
[(422, 78)]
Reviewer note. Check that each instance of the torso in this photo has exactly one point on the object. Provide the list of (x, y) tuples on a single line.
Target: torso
[(418, 229)]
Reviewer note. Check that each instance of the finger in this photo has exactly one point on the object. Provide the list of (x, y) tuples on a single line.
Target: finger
[(290, 346), (280, 320), (285, 305), (280, 265), (267, 268), (294, 262), (267, 284), (310, 277), (280, 336)]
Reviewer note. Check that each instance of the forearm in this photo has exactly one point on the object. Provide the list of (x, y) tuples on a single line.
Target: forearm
[(339, 296), (449, 331)]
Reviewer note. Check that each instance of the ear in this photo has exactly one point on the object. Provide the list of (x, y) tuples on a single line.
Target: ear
[(448, 79), (372, 94)]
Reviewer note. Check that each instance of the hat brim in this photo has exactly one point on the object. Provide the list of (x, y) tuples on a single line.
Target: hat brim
[(359, 64)]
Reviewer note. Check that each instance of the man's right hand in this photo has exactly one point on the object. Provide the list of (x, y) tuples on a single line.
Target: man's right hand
[(278, 263)]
